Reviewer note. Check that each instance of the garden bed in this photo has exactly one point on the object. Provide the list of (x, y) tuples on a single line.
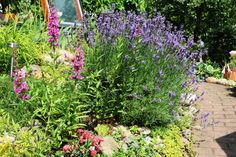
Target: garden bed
[(119, 86)]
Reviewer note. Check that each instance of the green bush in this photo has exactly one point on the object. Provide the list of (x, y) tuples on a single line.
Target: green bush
[(99, 6), (208, 69), (129, 75)]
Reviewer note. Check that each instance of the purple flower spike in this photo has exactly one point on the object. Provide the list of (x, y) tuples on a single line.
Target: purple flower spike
[(53, 28), (20, 86), (77, 65)]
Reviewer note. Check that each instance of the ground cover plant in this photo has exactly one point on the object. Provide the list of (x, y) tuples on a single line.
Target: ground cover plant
[(208, 69), (124, 65)]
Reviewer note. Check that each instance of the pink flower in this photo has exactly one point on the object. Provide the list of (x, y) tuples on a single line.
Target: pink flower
[(86, 135), (20, 86), (53, 28), (76, 147), (100, 139), (66, 148), (77, 65), (81, 139), (93, 152), (99, 148), (79, 131)]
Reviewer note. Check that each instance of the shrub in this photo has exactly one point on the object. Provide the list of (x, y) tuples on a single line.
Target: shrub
[(208, 69), (137, 66), (101, 6)]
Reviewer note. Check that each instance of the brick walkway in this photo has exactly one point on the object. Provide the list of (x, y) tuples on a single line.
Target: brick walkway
[(218, 138)]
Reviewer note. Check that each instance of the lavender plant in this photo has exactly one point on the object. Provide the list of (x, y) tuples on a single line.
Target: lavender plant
[(142, 66)]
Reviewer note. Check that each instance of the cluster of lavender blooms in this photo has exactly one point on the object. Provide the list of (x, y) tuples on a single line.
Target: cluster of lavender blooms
[(78, 64), (156, 31), (53, 27), (158, 64), (20, 86)]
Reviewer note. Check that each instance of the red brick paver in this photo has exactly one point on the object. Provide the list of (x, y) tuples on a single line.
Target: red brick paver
[(218, 138)]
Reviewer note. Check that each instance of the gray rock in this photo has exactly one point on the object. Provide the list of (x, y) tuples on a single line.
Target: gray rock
[(109, 146), (188, 99), (193, 110), (124, 147), (187, 133), (144, 131), (62, 57), (211, 80), (7, 138), (124, 131), (221, 81), (185, 140), (35, 71), (127, 140)]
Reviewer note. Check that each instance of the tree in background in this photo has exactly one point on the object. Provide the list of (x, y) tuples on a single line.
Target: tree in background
[(213, 20)]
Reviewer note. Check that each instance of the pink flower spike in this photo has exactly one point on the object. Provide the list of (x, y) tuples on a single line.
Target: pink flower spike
[(20, 86), (77, 65)]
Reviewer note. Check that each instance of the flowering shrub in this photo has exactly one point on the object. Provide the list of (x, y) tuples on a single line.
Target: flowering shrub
[(86, 145), (20, 86), (53, 28), (142, 67)]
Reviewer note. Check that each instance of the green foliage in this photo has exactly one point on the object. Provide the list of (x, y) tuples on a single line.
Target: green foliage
[(121, 83), (54, 102), (163, 141), (172, 141), (102, 129), (19, 141), (98, 6), (208, 69), (210, 19), (59, 107), (32, 39), (232, 63)]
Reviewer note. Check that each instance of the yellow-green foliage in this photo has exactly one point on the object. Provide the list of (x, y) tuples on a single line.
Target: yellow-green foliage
[(102, 129), (16, 141), (32, 40), (173, 144)]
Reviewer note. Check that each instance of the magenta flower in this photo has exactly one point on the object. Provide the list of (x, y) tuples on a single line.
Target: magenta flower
[(77, 65), (53, 28), (20, 86)]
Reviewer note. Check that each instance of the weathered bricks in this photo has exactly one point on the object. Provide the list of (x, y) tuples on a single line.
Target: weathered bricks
[(218, 138)]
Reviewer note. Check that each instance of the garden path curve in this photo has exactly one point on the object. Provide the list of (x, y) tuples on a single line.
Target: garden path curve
[(218, 105)]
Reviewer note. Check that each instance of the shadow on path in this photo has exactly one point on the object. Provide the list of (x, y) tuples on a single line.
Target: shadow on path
[(228, 144), (233, 91)]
